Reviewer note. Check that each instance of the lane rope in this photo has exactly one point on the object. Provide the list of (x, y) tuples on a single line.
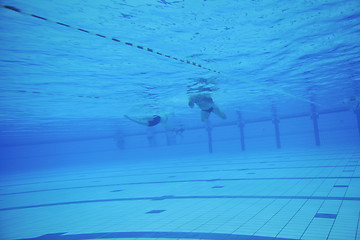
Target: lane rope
[(111, 38), (150, 50)]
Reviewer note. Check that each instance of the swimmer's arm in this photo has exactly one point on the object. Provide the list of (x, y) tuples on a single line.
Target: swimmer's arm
[(191, 102), (137, 121)]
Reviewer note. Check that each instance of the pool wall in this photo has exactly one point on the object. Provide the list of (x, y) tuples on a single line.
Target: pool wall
[(335, 129)]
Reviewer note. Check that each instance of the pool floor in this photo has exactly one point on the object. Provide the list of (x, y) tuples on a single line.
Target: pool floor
[(308, 194)]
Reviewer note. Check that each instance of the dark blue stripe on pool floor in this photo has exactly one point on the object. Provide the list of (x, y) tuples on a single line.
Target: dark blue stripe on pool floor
[(156, 211), (325, 215), (160, 173), (157, 235), (170, 197), (117, 190), (193, 171), (179, 181)]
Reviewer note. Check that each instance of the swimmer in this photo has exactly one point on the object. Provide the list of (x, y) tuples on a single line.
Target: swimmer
[(148, 121), (207, 106)]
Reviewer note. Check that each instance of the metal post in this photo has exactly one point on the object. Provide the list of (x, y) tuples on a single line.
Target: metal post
[(241, 125), (120, 141), (208, 129), (170, 138), (277, 132), (151, 137), (315, 117), (276, 122), (358, 119)]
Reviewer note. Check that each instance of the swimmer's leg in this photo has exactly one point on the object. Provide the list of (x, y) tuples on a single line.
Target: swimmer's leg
[(139, 121), (204, 115), (218, 112)]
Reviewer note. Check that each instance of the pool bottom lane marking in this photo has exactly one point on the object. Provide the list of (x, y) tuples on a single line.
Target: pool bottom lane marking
[(171, 197), (155, 235)]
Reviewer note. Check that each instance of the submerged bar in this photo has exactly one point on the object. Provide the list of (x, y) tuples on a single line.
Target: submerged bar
[(277, 132), (276, 122), (209, 129), (241, 125), (358, 120), (314, 117)]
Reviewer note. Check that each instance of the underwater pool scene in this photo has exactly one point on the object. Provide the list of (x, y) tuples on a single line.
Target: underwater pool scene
[(180, 119)]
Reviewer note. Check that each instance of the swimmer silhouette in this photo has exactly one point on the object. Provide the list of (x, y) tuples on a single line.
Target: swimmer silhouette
[(206, 105), (147, 121)]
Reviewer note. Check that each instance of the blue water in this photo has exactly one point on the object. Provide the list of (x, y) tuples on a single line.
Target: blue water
[(282, 71)]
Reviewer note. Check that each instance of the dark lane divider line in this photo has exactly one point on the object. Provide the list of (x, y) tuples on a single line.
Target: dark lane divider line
[(155, 235), (184, 172), (178, 181), (170, 197)]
